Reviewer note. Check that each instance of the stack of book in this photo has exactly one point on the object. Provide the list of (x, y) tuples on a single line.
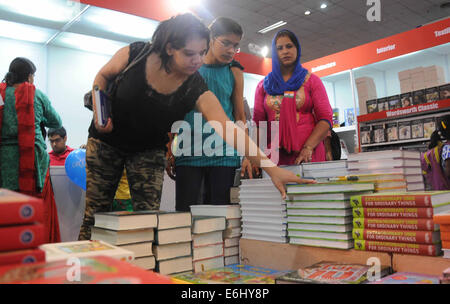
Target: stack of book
[(173, 242), (390, 170), (207, 242), (443, 220), (399, 223), (129, 230), (263, 211), (324, 170), (21, 231), (231, 234), (320, 214)]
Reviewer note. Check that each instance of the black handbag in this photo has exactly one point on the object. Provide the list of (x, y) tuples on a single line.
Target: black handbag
[(112, 85)]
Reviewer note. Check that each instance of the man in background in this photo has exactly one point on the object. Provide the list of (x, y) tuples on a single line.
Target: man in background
[(60, 151)]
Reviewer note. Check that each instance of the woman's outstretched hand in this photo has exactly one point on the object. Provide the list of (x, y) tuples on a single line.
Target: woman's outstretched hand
[(281, 177)]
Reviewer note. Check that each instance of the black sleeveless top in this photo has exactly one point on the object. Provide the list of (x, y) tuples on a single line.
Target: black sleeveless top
[(142, 117)]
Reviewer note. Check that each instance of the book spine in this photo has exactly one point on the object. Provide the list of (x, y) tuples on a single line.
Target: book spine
[(21, 213), (402, 248), (393, 201), (398, 236), (21, 237), (394, 224), (393, 212), (22, 257)]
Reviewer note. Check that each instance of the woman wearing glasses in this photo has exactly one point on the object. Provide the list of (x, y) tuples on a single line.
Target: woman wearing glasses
[(216, 169)]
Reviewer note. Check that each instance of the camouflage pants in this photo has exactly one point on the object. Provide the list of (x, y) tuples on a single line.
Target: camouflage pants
[(104, 168)]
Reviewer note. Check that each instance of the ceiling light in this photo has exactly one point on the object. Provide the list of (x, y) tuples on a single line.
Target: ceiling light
[(25, 32), (264, 51), (185, 5), (323, 6), (88, 43), (272, 27), (308, 13)]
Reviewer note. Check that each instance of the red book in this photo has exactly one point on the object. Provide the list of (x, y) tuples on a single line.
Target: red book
[(402, 200), (397, 236), (21, 237), (17, 208), (403, 248), (445, 236), (393, 212), (446, 244), (444, 227), (26, 256), (93, 270), (442, 218), (395, 224)]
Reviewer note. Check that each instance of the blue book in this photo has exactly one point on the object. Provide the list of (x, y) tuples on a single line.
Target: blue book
[(102, 106)]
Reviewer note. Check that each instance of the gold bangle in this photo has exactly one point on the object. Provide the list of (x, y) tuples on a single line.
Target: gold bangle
[(308, 148)]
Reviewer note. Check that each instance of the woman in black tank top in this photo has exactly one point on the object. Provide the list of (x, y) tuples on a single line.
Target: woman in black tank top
[(151, 97)]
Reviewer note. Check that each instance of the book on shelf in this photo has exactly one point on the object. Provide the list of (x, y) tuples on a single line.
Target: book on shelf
[(175, 265), (397, 236), (81, 249), (404, 130), (227, 211), (24, 256), (263, 213), (327, 165), (432, 94), (230, 260), (320, 234), (402, 248), (383, 104), (17, 208), (419, 186), (275, 208), (337, 220), (444, 91), (261, 204), (330, 273), (366, 134), (388, 177), (267, 238), (335, 118), (208, 263), (392, 131), (233, 274), (446, 253), (270, 219), (386, 170), (203, 224), (324, 173), (394, 102), (174, 219), (372, 106), (337, 244), (330, 187), (268, 226), (385, 154), (429, 126), (379, 164), (350, 117), (233, 223), (319, 212), (264, 232), (319, 205), (139, 249), (231, 242), (414, 199), (208, 251), (170, 251), (232, 233), (94, 270), (321, 197), (207, 238), (176, 235), (442, 217), (390, 184), (408, 278), (387, 212), (231, 251), (395, 224), (321, 227), (444, 227), (126, 220), (21, 236), (260, 197), (406, 99), (417, 128), (120, 237), (145, 262), (419, 97)]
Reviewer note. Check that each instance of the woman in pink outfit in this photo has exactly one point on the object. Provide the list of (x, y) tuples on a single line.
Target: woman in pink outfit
[(298, 100)]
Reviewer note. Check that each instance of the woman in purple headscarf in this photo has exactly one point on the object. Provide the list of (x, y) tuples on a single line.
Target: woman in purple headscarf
[(298, 100)]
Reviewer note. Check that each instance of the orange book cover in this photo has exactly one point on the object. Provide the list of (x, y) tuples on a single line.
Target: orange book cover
[(17, 208), (444, 227), (445, 236), (92, 270), (26, 256), (442, 218), (21, 237), (446, 244)]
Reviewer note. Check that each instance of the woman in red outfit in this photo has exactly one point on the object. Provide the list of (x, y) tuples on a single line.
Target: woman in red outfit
[(297, 100)]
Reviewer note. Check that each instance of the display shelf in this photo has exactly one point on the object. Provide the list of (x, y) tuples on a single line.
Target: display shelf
[(398, 142), (345, 129)]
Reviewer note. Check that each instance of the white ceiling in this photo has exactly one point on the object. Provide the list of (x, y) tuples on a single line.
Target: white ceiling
[(342, 25)]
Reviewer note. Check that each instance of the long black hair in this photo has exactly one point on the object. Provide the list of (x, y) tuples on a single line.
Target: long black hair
[(177, 31), (19, 71), (224, 26), (441, 133)]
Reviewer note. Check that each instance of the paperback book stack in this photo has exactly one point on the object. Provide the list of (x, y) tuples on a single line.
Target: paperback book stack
[(173, 242), (322, 171), (21, 231), (320, 214), (443, 220), (390, 170), (399, 222), (207, 242), (129, 230), (231, 234), (263, 211)]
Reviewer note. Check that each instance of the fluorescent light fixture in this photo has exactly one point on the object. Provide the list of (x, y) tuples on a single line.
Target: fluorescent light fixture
[(25, 32), (264, 51), (308, 13), (323, 6), (184, 5), (121, 23), (88, 43), (53, 10), (272, 27)]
